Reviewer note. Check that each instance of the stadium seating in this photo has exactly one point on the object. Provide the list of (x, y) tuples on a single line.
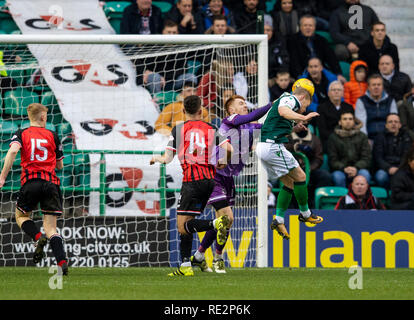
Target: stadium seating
[(327, 197), (164, 6), (114, 10), (16, 101), (7, 129), (48, 99), (8, 25), (26, 123), (345, 69), (165, 98)]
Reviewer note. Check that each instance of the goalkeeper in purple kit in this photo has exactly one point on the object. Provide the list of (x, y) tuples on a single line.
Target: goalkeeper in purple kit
[(240, 131)]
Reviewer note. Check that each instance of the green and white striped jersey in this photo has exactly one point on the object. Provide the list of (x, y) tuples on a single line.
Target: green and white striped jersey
[(276, 128)]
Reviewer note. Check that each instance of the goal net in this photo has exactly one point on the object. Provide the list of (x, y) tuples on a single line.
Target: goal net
[(113, 103)]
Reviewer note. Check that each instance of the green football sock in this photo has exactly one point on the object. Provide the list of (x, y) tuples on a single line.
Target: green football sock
[(301, 193), (283, 201)]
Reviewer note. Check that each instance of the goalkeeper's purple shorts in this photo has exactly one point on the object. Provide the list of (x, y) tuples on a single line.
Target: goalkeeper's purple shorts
[(224, 192)]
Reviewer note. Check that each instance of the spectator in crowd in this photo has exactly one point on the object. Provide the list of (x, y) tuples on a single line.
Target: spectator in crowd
[(389, 149), (141, 17), (280, 84), (278, 55), (402, 184), (216, 8), (374, 106), (396, 83), (170, 27), (406, 112), (189, 20), (164, 72), (246, 18), (306, 44), (7, 83), (173, 113), (309, 144), (220, 26), (221, 76), (349, 152), (359, 197), (311, 7), (321, 79), (377, 45), (245, 84), (324, 10), (330, 112), (285, 18), (357, 85), (350, 32)]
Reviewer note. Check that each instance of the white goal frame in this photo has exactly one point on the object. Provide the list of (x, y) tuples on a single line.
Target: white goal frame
[(262, 48)]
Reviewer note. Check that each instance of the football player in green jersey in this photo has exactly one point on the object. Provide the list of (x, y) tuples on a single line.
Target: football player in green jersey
[(286, 115)]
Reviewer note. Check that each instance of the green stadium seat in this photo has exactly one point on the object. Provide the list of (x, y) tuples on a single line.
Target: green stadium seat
[(165, 98), (270, 4), (3, 10), (7, 129), (16, 101), (63, 129), (345, 69), (326, 35), (8, 25), (114, 10), (164, 6), (193, 66), (327, 197), (17, 75), (49, 100), (380, 193), (325, 164)]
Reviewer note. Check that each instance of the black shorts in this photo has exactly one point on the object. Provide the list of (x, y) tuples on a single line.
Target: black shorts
[(37, 191), (194, 196)]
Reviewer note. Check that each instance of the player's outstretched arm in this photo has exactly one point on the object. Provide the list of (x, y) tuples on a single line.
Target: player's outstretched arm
[(8, 162), (167, 157), (252, 116), (289, 114)]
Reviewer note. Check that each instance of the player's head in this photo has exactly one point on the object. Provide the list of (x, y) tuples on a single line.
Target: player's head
[(236, 105), (192, 106), (37, 113), (304, 98)]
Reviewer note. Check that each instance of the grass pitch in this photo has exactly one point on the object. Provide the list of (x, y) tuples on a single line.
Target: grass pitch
[(238, 284)]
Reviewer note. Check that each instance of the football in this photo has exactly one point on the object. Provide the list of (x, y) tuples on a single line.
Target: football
[(304, 83)]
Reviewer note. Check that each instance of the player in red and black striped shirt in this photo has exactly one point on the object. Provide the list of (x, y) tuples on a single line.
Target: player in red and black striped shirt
[(195, 141), (41, 154)]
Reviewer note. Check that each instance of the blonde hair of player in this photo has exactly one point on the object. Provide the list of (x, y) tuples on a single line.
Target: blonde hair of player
[(304, 98), (37, 114)]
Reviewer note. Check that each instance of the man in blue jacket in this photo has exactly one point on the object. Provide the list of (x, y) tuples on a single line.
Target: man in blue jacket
[(321, 79)]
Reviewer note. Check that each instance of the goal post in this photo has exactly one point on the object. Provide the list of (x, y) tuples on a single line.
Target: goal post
[(175, 43)]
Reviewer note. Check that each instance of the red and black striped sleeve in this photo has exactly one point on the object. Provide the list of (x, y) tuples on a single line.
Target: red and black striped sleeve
[(17, 138), (59, 147)]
